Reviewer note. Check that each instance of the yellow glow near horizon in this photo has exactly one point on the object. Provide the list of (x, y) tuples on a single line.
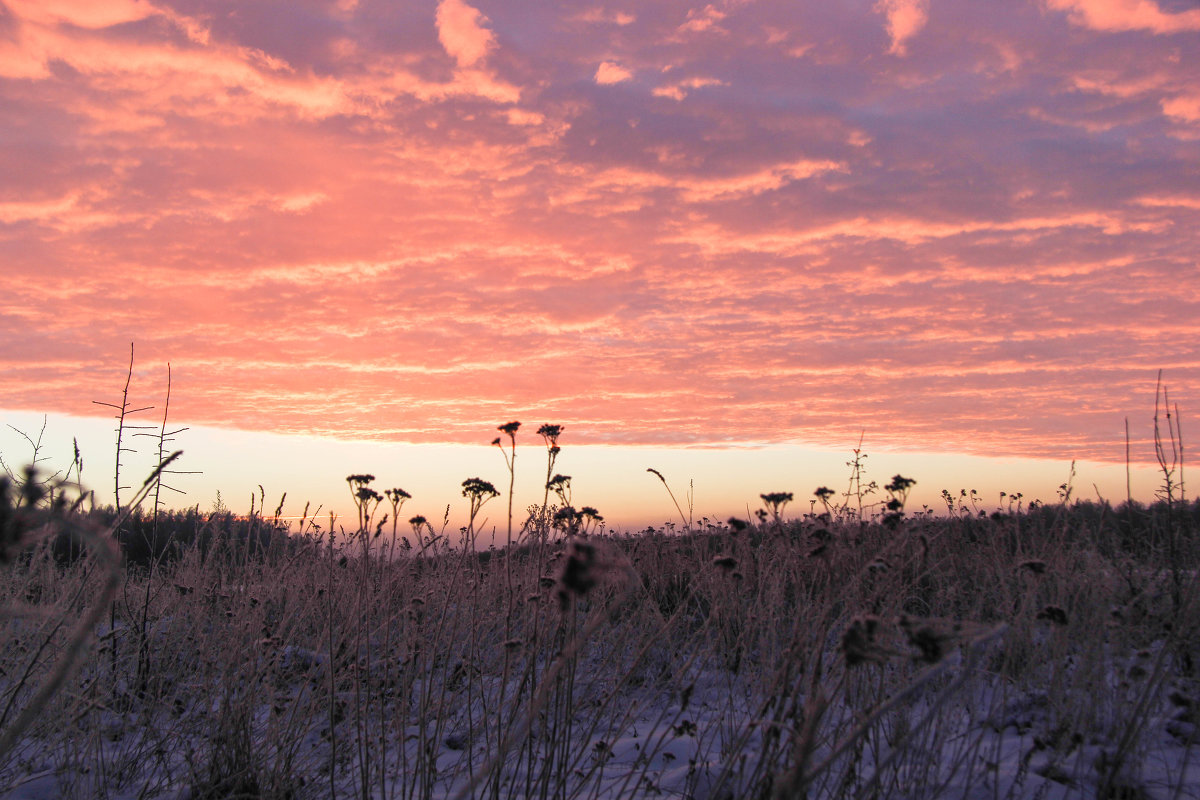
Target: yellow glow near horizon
[(724, 481)]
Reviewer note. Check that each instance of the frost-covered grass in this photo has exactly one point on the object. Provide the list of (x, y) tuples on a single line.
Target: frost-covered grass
[(1043, 654)]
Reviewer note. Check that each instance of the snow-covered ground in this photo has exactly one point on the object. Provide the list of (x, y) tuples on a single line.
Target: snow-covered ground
[(720, 668)]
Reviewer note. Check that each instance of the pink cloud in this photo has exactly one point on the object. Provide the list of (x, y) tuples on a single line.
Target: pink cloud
[(601, 15), (83, 13), (1127, 15), (1185, 108), (679, 90), (461, 31), (46, 210), (905, 18), (703, 19), (609, 73), (398, 221)]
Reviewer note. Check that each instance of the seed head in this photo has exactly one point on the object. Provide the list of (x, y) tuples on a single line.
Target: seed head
[(587, 564), (577, 577), (931, 642), (1053, 614), (858, 642), (550, 433), (726, 563), (478, 488), (566, 516)]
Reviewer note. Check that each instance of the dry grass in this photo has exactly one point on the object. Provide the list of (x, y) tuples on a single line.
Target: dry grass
[(1052, 650)]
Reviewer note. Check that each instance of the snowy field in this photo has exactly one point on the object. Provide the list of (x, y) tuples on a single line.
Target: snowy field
[(1048, 654)]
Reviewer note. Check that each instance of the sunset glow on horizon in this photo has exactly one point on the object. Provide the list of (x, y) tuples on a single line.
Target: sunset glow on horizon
[(969, 230)]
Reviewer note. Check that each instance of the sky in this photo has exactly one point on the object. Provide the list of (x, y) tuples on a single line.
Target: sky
[(734, 237)]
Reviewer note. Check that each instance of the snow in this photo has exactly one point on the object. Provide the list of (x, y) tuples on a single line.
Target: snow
[(989, 741), (435, 690)]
